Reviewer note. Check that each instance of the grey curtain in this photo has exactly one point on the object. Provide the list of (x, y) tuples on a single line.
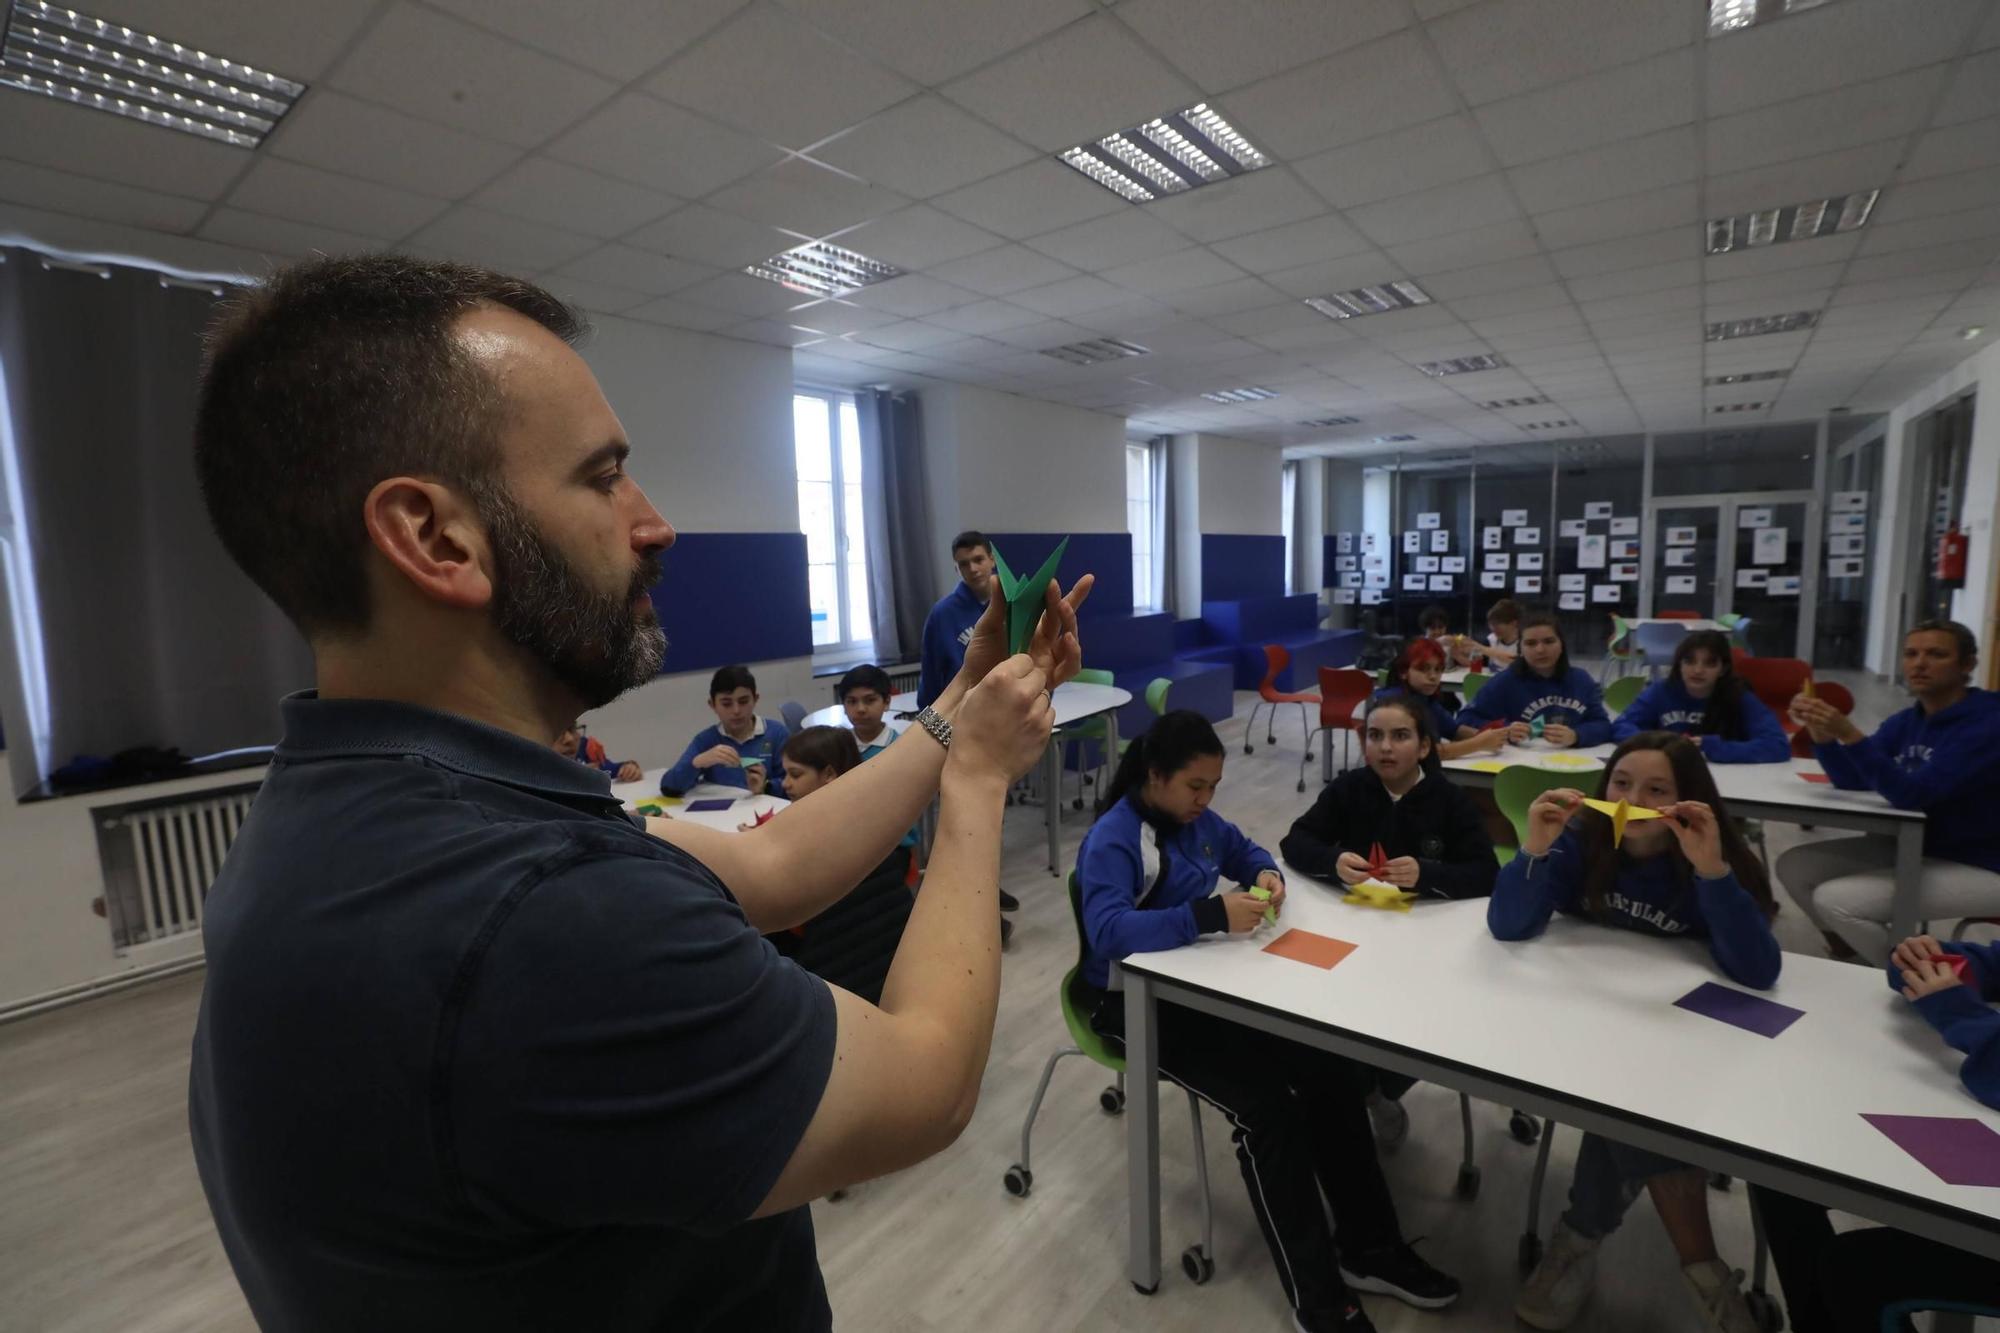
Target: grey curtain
[(1165, 563), (148, 633), (895, 509)]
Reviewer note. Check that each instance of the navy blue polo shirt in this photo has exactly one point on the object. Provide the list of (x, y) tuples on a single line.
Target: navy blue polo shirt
[(476, 1051)]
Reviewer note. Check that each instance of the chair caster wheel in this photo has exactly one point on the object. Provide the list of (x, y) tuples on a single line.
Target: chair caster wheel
[(1468, 1183), (1112, 1100), (1019, 1180), (1272, 739), (1524, 1127), (1145, 1291), (1764, 1308), (1530, 1253), (1302, 784), (1197, 1265), (1248, 748), (1077, 804)]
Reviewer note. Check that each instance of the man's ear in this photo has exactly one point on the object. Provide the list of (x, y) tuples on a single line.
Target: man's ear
[(429, 534)]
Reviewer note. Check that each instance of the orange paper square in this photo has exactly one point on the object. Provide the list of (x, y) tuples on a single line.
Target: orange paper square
[(1302, 946)]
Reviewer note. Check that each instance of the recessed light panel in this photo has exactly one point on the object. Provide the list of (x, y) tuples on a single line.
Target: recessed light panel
[(1760, 325), (106, 66), (1170, 154), (819, 269), (1735, 15), (1793, 222), (1738, 407), (1325, 422), (1536, 400), (1748, 377), (1251, 394), (1393, 439), (1548, 425), (1375, 300), (1096, 351), (1464, 365)]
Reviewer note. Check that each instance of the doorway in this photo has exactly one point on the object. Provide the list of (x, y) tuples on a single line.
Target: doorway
[(1743, 555)]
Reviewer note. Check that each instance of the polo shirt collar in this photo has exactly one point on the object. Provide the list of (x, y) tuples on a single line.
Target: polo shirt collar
[(317, 728)]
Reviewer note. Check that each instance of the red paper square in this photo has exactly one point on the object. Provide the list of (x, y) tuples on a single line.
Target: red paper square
[(1302, 946)]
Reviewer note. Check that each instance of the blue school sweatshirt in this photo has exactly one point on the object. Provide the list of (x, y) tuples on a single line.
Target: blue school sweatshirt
[(1514, 695), (946, 631), (890, 731), (1648, 897), (765, 744), (1443, 720), (1665, 705), (1946, 764), (1961, 1017), (1129, 907)]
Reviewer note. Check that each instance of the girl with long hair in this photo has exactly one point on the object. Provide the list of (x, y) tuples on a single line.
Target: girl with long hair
[(1543, 684), (1704, 699)]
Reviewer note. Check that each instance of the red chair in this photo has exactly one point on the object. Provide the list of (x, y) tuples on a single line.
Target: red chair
[(1677, 615), (1775, 680), (1276, 659), (1342, 691)]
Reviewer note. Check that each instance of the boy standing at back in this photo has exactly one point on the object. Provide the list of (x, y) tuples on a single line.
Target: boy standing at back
[(741, 750)]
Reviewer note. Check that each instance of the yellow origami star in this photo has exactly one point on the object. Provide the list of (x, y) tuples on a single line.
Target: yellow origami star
[(1374, 893), (1620, 814)]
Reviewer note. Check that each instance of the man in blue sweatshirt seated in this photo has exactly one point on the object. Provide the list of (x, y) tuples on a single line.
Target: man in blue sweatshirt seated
[(740, 750), (950, 622), (1940, 756), (1543, 684)]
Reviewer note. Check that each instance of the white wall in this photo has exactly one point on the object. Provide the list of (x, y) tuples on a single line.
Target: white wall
[(1184, 457), (1242, 487)]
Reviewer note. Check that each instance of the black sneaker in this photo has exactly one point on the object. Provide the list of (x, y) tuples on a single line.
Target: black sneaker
[(1348, 1317), (1008, 902), (1399, 1271)]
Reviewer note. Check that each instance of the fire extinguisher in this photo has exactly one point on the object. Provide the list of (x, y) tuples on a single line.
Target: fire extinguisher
[(1951, 557)]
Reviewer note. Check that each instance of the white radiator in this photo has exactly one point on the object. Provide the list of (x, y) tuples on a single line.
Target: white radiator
[(903, 679), (159, 860)]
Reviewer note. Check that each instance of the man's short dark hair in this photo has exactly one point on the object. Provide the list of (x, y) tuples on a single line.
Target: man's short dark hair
[(324, 380), (729, 679), (1968, 643), (865, 677), (970, 538)]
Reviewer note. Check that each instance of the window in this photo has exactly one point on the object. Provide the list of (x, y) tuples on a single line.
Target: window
[(1139, 521), (1286, 499), (826, 441)]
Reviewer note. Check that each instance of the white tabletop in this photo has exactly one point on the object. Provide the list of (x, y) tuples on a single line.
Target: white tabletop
[(742, 810), (1690, 625), (1587, 1012), (1074, 701)]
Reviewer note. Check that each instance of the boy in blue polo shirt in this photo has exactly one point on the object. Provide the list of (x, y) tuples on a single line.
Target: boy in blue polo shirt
[(864, 694), (741, 750)]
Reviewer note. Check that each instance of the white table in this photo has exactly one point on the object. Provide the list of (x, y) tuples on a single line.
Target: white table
[(1074, 701), (743, 809), (1579, 1024), (1761, 791), (1689, 625)]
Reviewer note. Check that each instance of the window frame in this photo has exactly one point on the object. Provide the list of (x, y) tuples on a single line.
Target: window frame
[(1143, 563), (852, 641)]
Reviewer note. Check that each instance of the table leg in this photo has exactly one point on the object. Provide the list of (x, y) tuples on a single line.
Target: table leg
[(1052, 799), (1909, 879), (1142, 1132)]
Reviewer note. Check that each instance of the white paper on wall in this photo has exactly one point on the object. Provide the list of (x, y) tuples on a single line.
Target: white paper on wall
[(1680, 536), (1375, 578), (1847, 523), (1784, 586), (1624, 548), (1528, 583), (1413, 541), (1843, 569), (1845, 545), (1367, 542), (1498, 560), (1570, 601), (1429, 520), (1345, 596), (1346, 562), (1350, 578), (1453, 564), (1606, 592), (1597, 509), (1625, 527), (1752, 578), (1849, 502), (1768, 546), (1441, 539), (1527, 536), (1513, 518), (1625, 573), (1344, 543), (1529, 560), (1371, 597), (1413, 583), (1754, 518), (1374, 562), (1573, 582), (1490, 539), (1590, 550), (1493, 578), (1680, 583), (1440, 583), (1571, 527), (1427, 564), (1680, 557)]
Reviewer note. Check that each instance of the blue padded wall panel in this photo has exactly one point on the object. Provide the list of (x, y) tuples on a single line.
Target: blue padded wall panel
[(1105, 554), (1236, 566), (728, 597)]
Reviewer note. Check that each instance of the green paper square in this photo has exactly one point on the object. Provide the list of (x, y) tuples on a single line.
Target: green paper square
[(1024, 596)]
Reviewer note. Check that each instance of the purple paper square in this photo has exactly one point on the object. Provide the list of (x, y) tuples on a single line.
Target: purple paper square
[(1752, 1013), (1957, 1149), (712, 804)]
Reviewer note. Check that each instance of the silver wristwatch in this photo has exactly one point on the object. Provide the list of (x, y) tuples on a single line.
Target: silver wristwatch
[(939, 729)]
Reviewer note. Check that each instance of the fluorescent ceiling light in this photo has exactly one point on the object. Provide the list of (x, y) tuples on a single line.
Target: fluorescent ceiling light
[(1252, 394), (1760, 325), (106, 66), (1792, 222), (1463, 365), (1548, 425), (1170, 154), (1748, 377), (1532, 401), (1377, 300), (1735, 15), (1095, 351), (1392, 439), (820, 269), (1325, 422), (1738, 407)]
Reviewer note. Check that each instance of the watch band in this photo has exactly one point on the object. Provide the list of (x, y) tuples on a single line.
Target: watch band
[(939, 729)]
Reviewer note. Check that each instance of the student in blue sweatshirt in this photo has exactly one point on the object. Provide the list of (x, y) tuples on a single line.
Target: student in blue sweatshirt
[(1418, 672), (740, 750), (1148, 869), (1940, 756), (1688, 875), (949, 625), (1704, 699), (1541, 683), (1842, 1284)]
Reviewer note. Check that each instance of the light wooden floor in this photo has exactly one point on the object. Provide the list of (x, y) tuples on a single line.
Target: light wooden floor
[(103, 1226)]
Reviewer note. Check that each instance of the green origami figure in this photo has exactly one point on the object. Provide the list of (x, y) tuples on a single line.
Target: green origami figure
[(1537, 727), (1024, 596)]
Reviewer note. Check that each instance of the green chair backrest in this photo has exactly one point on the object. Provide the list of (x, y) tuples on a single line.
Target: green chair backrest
[(1091, 728), (1516, 787), (1093, 676), (1621, 637), (1470, 686), (1382, 678), (1620, 693), (1728, 619), (1080, 1031), (1156, 695)]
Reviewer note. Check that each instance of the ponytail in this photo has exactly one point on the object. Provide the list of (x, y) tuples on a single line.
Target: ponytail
[(1173, 741)]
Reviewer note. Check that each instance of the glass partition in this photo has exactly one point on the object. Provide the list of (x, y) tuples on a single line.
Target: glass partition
[(1433, 520), (1513, 529), (1600, 489), (1854, 539)]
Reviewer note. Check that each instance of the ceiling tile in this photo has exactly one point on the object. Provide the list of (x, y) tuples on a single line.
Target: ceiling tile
[(924, 147), (1311, 241), (327, 129), (1354, 95), (640, 138), (801, 196), (1436, 212), (1818, 176), (475, 236), (911, 295), (836, 318), (1456, 287), (1436, 153), (1651, 162), (682, 315), (1122, 238), (434, 66), (621, 38), (1084, 82), (609, 300), (1621, 278), (1940, 194), (1254, 201), (1226, 298), (60, 192), (1181, 271), (1974, 90), (1641, 98), (1975, 143), (1830, 47), (1515, 307), (931, 43), (1225, 46), (91, 143), (1514, 46), (291, 41), (1883, 109), (642, 271), (1886, 238), (280, 238), (743, 294), (777, 78), (542, 189), (1465, 249), (1010, 268), (1629, 215), (281, 189), (985, 317), (1335, 275), (712, 237), (1774, 258), (1627, 252), (1039, 196), (918, 237), (1070, 296), (774, 333)]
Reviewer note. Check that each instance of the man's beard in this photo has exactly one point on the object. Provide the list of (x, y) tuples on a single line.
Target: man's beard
[(596, 643)]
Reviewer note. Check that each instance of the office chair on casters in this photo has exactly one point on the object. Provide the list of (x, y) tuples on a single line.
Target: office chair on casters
[(1276, 659), (794, 714)]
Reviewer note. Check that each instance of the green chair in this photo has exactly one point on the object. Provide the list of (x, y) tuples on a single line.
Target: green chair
[(1156, 696), (1620, 693), (1515, 788), (1470, 685), (1618, 650), (1197, 1261), (1090, 729)]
